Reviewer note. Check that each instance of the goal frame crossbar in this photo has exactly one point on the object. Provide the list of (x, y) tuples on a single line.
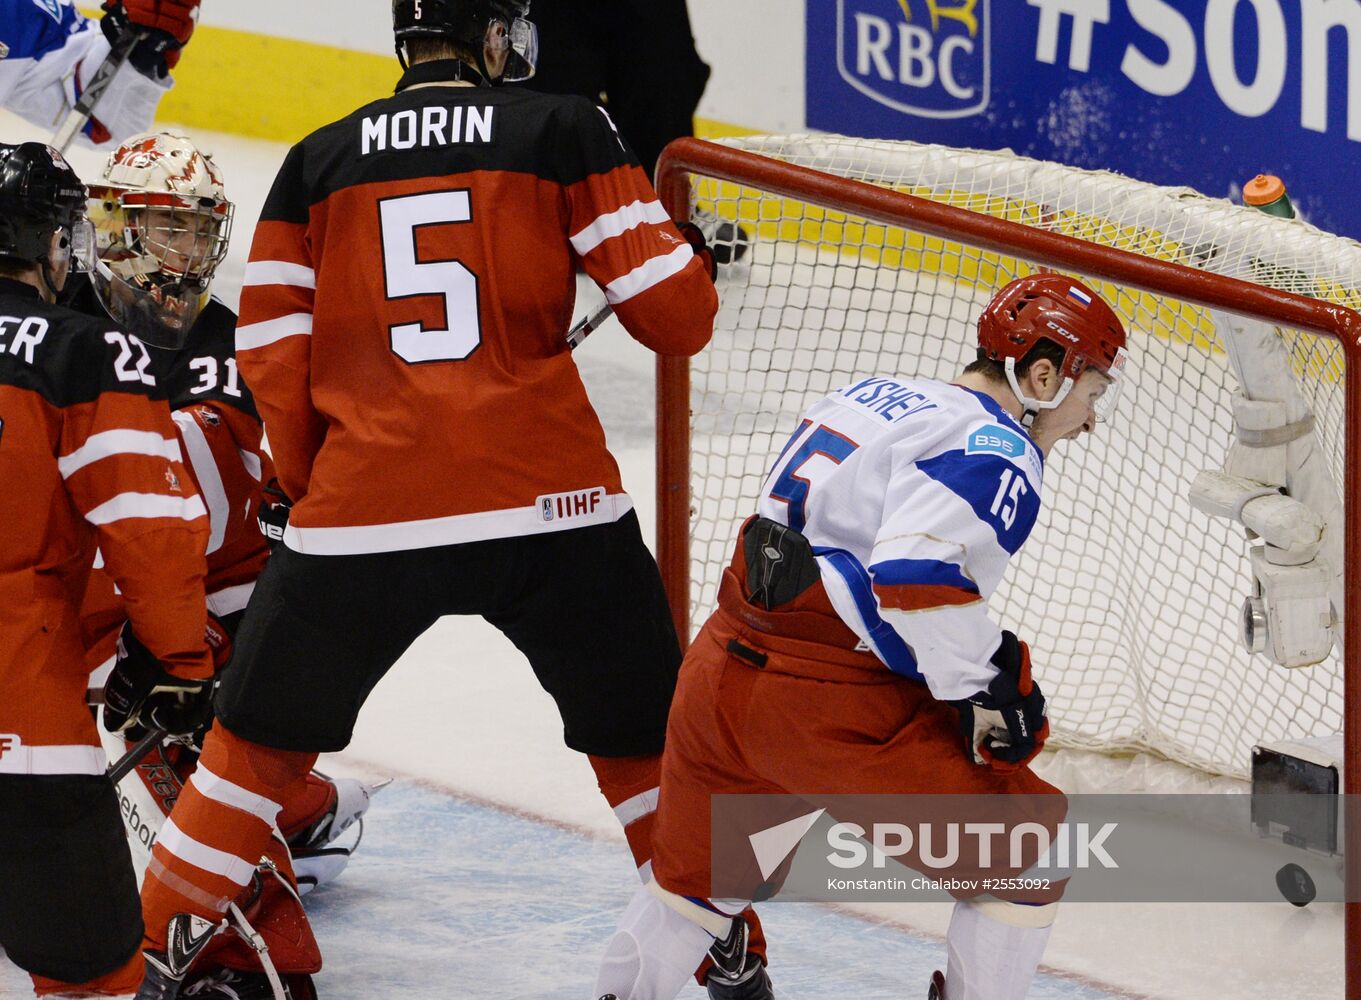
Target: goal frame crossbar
[(687, 156)]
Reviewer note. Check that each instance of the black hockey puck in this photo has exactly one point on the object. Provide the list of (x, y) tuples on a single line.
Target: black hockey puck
[(729, 243), (1296, 885)]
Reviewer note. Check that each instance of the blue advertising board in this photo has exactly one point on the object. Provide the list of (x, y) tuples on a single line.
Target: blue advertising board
[(1201, 93)]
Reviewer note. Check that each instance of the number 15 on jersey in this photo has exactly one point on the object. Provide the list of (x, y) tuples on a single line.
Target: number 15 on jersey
[(808, 453)]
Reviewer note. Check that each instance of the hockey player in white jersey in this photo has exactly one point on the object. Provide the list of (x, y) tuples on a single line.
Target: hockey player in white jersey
[(852, 651), (49, 52)]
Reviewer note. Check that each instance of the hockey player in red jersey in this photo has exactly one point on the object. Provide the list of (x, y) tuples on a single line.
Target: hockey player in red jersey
[(162, 223), (851, 651), (96, 463), (403, 329)]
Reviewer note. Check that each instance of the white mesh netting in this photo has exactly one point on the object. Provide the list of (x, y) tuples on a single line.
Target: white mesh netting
[(1130, 598)]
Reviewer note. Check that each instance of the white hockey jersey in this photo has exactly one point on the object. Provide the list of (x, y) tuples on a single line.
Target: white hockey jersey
[(914, 495), (48, 53)]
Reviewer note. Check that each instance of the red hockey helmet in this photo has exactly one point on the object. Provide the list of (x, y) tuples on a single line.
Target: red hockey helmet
[(1059, 309)]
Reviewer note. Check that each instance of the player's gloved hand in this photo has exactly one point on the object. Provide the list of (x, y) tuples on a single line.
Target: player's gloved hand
[(695, 237), (1005, 726), (272, 514), (167, 24), (142, 693)]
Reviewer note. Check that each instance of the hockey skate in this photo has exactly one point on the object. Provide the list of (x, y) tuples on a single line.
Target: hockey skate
[(352, 802), (232, 984), (317, 859), (936, 991), (737, 974), (186, 936)]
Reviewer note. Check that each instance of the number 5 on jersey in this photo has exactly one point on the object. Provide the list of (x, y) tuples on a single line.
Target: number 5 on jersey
[(792, 483), (408, 277)]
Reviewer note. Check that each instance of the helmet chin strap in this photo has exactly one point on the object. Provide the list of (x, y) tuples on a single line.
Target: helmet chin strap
[(1030, 406)]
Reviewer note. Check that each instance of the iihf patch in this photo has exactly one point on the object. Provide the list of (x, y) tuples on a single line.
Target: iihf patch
[(4, 50), (576, 504), (994, 439)]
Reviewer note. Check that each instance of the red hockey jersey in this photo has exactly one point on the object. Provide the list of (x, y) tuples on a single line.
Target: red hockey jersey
[(220, 435), (87, 458), (410, 286)]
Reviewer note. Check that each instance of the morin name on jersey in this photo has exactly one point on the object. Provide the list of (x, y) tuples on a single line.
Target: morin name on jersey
[(430, 126)]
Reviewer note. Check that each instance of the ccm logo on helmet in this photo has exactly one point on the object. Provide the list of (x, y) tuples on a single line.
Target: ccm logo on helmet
[(1060, 331)]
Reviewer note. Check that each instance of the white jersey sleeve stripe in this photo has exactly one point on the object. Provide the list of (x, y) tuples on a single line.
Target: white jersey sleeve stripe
[(119, 442), (280, 272), (614, 223), (252, 463), (270, 331), (133, 505), (209, 478), (644, 276)]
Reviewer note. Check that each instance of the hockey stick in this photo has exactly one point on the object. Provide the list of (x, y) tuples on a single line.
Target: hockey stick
[(80, 114), (123, 766), (589, 324)]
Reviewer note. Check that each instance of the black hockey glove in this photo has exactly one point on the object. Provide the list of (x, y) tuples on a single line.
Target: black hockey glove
[(272, 514), (140, 693), (1005, 726), (695, 237)]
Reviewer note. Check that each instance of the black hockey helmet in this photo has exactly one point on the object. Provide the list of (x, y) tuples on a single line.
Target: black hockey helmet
[(39, 194), (465, 23)]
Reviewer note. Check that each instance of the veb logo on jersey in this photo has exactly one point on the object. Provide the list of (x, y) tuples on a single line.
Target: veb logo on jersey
[(928, 58)]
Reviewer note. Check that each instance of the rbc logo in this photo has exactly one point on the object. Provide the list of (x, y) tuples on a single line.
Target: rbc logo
[(922, 57)]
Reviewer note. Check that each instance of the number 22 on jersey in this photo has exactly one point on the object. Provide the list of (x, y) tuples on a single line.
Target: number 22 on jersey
[(808, 454)]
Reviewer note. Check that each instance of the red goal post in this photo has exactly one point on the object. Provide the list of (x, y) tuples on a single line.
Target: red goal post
[(798, 200)]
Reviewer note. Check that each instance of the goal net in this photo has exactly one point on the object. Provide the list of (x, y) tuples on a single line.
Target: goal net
[(1130, 598)]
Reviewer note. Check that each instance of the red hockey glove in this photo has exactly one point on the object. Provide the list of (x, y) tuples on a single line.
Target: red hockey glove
[(1005, 726), (272, 514), (175, 17), (695, 237), (167, 25)]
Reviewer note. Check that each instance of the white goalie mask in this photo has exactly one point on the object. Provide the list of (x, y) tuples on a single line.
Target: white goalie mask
[(162, 223)]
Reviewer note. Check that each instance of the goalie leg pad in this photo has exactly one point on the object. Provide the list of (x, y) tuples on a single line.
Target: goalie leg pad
[(992, 958), (69, 910)]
